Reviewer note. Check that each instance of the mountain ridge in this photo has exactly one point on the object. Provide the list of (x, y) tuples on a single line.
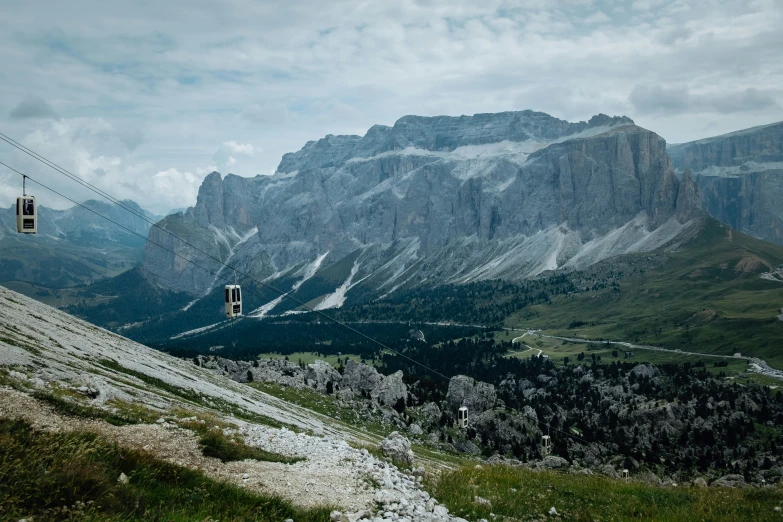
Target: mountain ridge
[(411, 196), (740, 177)]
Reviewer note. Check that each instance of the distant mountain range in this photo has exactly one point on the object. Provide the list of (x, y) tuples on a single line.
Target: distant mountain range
[(432, 201), (73, 246), (424, 203), (740, 178)]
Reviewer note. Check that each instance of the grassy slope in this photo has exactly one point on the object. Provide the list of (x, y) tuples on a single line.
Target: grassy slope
[(671, 305), (520, 494), (53, 476)]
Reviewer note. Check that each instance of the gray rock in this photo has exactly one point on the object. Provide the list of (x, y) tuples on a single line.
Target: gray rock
[(320, 374), (415, 430), (466, 446), (398, 448), (699, 482), (645, 370), (553, 462), (360, 377), (476, 395), (431, 412), (390, 390), (730, 481)]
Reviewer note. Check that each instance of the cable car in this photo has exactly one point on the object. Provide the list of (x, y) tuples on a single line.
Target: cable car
[(233, 301), (625, 474), (462, 417), (26, 212), (546, 445)]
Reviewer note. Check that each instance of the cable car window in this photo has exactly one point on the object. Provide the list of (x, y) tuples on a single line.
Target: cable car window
[(228, 298), (27, 207), (239, 294), (18, 207), (233, 295)]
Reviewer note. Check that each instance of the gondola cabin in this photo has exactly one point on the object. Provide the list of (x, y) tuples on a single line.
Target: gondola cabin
[(26, 215), (233, 301), (546, 445), (462, 417), (625, 474)]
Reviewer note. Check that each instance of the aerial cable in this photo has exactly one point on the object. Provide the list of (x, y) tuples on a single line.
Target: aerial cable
[(261, 283), (285, 295)]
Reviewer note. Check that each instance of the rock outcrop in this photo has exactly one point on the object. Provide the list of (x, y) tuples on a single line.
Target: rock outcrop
[(320, 374), (476, 395), (390, 390), (398, 448), (361, 378)]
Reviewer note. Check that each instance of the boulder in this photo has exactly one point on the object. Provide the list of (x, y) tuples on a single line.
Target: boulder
[(699, 482), (390, 390), (398, 448), (645, 370), (320, 374), (552, 462), (730, 481), (431, 412), (360, 377), (476, 395), (415, 430), (466, 446)]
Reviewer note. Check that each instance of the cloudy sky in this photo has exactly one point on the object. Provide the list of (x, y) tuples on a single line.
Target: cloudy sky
[(145, 98)]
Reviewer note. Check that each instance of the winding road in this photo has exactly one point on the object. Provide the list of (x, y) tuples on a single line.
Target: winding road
[(756, 365)]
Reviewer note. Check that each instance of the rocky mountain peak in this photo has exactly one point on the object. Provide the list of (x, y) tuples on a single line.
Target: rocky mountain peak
[(507, 195), (440, 133)]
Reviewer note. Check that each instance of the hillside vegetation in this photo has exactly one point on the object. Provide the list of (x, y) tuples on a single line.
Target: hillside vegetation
[(707, 296), (510, 493)]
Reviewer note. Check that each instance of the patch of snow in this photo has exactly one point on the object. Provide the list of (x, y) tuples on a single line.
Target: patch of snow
[(197, 330), (501, 148), (309, 272), (337, 298), (736, 171)]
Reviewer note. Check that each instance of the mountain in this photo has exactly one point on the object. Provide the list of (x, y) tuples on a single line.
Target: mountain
[(431, 200), (740, 178), (73, 246)]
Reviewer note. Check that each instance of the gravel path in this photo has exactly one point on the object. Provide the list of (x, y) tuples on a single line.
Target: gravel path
[(333, 474)]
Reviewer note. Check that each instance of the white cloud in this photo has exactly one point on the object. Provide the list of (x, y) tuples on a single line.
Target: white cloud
[(599, 17), (208, 86), (239, 148)]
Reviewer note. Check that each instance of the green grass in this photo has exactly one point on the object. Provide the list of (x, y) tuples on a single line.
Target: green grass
[(194, 397), (558, 350), (73, 476), (697, 299), (72, 408), (215, 443), (520, 494), (319, 403)]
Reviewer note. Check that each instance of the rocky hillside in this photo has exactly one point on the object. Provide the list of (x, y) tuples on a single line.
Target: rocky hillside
[(740, 178), (60, 374), (433, 200)]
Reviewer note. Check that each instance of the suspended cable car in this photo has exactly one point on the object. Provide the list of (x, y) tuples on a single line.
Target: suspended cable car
[(625, 474), (26, 212), (546, 445), (462, 417), (233, 301)]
